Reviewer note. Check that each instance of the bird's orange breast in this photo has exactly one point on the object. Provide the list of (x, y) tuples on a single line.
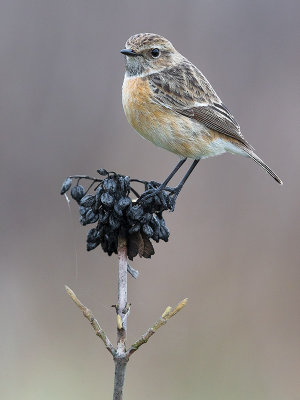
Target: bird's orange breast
[(141, 112)]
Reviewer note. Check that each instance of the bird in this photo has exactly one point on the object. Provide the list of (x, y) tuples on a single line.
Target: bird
[(168, 101)]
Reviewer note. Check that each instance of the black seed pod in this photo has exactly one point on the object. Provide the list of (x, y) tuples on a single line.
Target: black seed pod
[(82, 220), (124, 202), (118, 210), (146, 218), (109, 185), (155, 224), (77, 193), (148, 231), (114, 222), (127, 182), (164, 233), (94, 235), (107, 200), (66, 185), (83, 210), (102, 171), (135, 212), (88, 200), (91, 217), (155, 237), (122, 184), (99, 191)]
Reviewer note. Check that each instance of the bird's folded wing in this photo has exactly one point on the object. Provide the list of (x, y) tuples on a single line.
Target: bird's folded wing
[(185, 90), (215, 119)]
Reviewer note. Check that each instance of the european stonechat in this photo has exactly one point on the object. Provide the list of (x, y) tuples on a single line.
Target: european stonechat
[(169, 101)]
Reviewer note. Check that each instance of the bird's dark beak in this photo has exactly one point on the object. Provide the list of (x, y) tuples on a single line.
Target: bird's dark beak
[(129, 52)]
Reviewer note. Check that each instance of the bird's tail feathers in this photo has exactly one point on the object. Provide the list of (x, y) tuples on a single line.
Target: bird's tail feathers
[(260, 162)]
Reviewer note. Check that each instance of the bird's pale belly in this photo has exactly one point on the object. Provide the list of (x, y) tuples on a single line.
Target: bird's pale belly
[(164, 127)]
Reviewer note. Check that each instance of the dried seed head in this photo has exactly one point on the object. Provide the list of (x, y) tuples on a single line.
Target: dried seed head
[(113, 211)]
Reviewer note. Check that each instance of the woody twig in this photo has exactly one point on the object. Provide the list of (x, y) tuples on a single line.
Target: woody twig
[(95, 324), (167, 314)]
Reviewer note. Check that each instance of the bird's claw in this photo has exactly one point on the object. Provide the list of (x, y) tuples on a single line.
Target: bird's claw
[(149, 195), (162, 197)]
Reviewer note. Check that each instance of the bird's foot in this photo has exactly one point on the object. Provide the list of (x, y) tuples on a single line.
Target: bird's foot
[(172, 197), (154, 194), (163, 196)]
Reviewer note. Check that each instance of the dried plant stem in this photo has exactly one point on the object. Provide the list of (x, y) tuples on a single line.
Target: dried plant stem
[(120, 354), (121, 358)]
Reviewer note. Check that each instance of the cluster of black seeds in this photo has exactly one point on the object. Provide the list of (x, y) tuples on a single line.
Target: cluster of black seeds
[(107, 204)]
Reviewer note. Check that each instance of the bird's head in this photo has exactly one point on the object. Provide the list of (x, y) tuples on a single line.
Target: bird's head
[(146, 53)]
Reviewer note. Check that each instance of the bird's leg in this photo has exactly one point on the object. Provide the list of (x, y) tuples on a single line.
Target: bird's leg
[(175, 192), (152, 192), (179, 165)]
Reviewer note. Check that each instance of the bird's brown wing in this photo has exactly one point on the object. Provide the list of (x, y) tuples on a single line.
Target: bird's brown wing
[(185, 90)]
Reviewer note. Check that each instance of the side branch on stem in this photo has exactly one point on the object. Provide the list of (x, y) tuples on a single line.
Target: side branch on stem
[(167, 314), (90, 317)]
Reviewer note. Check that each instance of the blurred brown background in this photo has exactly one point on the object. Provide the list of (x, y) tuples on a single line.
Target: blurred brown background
[(234, 245)]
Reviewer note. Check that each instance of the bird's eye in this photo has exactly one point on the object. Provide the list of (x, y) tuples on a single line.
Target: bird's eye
[(155, 53)]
